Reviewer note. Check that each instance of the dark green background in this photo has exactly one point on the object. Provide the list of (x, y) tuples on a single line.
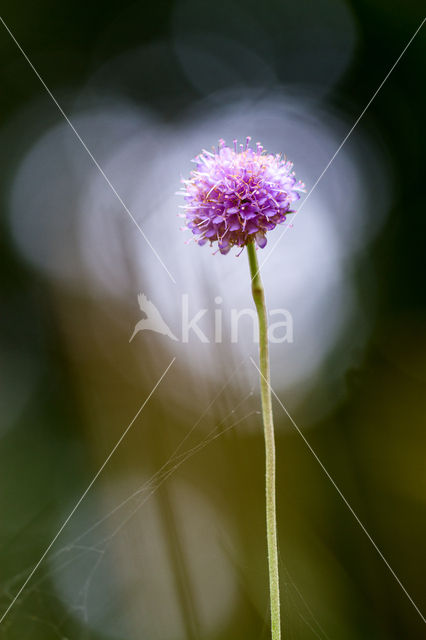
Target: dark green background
[(376, 433)]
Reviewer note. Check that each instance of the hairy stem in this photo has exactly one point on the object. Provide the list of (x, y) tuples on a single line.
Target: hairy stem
[(268, 426)]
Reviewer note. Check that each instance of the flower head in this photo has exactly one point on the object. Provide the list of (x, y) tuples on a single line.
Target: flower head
[(234, 196)]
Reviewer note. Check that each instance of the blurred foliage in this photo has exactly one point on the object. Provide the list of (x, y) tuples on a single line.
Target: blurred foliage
[(73, 400)]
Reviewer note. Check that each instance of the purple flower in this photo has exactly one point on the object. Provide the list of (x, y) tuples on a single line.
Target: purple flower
[(235, 197)]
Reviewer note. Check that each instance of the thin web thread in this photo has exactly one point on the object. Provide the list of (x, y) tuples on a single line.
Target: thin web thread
[(151, 485), (84, 494)]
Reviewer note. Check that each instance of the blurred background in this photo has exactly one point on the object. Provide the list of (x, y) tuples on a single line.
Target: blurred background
[(169, 543)]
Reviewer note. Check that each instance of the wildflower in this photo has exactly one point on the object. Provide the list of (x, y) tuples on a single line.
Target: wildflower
[(234, 197)]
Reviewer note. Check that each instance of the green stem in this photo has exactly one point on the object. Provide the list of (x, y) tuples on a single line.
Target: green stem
[(268, 426)]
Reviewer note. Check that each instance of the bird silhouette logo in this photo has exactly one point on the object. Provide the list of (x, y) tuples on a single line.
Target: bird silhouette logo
[(153, 320)]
